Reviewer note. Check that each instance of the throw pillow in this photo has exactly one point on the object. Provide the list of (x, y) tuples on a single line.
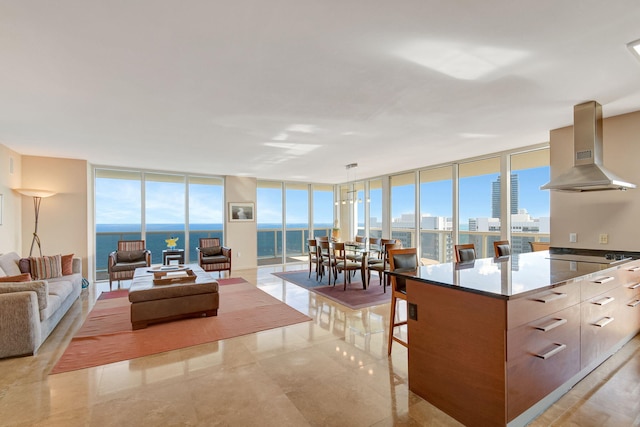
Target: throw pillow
[(46, 267), (24, 277), (130, 256), (25, 265), (67, 264), (212, 251)]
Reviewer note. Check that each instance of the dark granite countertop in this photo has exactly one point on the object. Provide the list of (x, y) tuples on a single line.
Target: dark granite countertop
[(507, 277)]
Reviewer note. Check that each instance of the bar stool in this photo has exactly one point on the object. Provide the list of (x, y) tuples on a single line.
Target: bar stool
[(399, 259)]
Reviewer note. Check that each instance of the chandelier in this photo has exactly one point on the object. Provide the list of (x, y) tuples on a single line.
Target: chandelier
[(351, 195)]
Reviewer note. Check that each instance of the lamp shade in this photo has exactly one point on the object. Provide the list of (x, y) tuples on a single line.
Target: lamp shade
[(35, 193)]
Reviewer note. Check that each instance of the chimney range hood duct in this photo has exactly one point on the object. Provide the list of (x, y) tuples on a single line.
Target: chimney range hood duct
[(588, 173)]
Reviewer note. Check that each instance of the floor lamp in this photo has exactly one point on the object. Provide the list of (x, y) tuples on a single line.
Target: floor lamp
[(37, 198)]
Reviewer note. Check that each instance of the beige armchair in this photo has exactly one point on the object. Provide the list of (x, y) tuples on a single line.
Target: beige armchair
[(131, 254), (212, 256)]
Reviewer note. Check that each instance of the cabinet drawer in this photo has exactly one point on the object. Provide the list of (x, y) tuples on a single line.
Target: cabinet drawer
[(602, 324), (542, 356), (630, 308), (529, 308), (602, 282)]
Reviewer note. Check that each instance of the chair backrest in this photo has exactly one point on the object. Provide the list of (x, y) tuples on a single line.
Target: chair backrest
[(465, 253), (323, 248), (322, 238), (375, 246), (209, 242), (361, 239), (539, 246), (131, 245), (402, 259), (502, 248), (337, 250), (312, 246)]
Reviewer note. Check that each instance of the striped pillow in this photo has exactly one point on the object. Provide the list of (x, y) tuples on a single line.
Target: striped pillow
[(46, 267)]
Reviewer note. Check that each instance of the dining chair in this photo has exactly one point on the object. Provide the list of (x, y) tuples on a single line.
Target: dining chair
[(539, 246), (381, 266), (465, 253), (374, 247), (345, 265), (129, 255), (399, 259), (312, 249), (325, 260), (501, 248)]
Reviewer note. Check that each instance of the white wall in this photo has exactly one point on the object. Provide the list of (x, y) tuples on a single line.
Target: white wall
[(10, 178), (590, 214), (63, 220), (241, 237)]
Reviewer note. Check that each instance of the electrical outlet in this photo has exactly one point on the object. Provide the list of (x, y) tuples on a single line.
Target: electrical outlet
[(604, 239), (238, 254), (573, 237)]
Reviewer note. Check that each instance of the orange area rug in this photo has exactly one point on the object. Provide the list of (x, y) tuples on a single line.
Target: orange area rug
[(106, 336)]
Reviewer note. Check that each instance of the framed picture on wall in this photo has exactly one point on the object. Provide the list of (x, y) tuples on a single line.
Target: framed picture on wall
[(239, 211)]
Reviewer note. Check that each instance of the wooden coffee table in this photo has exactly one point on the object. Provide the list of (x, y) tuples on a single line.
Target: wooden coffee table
[(196, 295)]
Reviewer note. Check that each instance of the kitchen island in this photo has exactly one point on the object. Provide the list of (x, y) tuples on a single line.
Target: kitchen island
[(498, 340)]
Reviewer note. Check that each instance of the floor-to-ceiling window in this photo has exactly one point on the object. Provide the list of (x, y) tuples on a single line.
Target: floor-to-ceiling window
[(164, 211), (206, 211), (153, 206), (436, 214), (359, 207), (322, 209), (531, 221), (403, 209), (297, 221), (375, 208), (269, 222), (478, 204)]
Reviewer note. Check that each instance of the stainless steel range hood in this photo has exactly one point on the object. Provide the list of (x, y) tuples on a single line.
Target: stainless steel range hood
[(588, 173)]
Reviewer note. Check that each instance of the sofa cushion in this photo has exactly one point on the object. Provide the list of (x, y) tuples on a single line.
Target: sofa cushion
[(25, 265), (212, 251), (46, 267), (61, 288), (24, 277), (9, 264), (67, 264), (40, 287), (130, 256)]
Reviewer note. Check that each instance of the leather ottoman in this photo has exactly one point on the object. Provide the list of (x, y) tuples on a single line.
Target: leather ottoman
[(161, 303)]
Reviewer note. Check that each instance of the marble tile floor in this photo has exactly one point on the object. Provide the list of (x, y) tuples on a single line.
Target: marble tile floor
[(331, 371)]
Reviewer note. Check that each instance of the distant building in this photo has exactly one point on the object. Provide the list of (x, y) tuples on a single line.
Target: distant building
[(496, 199)]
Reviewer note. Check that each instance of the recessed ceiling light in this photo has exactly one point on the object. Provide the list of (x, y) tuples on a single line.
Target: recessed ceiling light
[(634, 47)]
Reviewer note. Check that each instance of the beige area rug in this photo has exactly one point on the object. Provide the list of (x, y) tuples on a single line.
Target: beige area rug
[(106, 336)]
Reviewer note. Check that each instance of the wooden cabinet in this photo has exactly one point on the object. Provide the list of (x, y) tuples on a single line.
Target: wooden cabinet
[(487, 360), (541, 356)]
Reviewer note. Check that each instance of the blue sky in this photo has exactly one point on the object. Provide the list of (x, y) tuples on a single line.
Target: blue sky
[(118, 201)]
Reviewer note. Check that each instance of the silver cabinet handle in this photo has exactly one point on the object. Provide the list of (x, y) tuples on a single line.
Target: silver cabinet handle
[(603, 279), (634, 303), (604, 301), (635, 286), (550, 298), (603, 322), (552, 325), (634, 268), (559, 347)]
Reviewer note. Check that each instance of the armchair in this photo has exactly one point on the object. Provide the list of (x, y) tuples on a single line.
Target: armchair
[(212, 256), (131, 254)]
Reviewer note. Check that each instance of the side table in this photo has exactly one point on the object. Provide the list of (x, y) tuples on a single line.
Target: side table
[(169, 255)]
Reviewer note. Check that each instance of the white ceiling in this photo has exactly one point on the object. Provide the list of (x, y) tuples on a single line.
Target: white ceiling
[(297, 89)]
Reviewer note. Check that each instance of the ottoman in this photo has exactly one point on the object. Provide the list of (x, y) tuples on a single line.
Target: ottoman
[(160, 303)]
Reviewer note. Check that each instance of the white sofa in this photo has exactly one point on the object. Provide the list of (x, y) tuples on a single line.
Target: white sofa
[(29, 311)]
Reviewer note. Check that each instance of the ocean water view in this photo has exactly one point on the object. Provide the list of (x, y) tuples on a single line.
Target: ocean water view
[(269, 238)]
